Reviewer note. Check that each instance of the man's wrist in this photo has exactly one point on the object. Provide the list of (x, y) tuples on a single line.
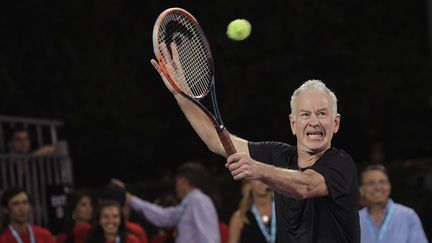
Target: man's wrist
[(262, 171)]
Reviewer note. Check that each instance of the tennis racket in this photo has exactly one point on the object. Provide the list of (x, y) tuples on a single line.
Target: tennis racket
[(184, 57)]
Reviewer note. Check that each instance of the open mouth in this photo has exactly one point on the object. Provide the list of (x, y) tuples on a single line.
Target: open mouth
[(316, 134), (378, 194)]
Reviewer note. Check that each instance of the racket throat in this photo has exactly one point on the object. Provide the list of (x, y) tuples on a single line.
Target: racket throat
[(219, 124), (220, 128)]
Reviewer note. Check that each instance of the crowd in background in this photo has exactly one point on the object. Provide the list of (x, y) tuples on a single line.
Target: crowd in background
[(190, 215)]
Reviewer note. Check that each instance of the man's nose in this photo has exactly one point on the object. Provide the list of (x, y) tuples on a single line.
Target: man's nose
[(313, 120)]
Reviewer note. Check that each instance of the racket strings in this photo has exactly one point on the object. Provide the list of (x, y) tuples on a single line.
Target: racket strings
[(194, 70)]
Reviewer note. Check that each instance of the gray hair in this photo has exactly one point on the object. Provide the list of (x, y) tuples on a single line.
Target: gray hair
[(314, 84), (374, 167)]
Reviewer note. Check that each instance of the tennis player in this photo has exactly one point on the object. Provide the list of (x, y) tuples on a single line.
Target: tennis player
[(315, 184)]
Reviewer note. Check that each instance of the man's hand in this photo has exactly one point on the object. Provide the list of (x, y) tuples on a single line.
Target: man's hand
[(242, 166), (165, 79), (122, 185), (174, 68), (118, 182)]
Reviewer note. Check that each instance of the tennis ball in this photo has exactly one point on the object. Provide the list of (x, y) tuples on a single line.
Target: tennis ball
[(239, 29)]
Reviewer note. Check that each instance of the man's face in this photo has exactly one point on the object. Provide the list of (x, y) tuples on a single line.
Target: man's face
[(180, 185), (20, 143), (375, 187), (313, 121), (19, 209)]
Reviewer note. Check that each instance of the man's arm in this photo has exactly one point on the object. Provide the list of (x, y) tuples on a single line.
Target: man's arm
[(157, 215), (200, 122), (416, 232), (288, 182)]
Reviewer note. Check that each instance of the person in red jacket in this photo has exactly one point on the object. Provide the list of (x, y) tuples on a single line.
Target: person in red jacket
[(112, 191), (16, 227), (109, 225), (78, 216)]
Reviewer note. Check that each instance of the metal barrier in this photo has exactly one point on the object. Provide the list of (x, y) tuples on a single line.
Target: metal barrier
[(39, 175), (36, 174), (44, 129)]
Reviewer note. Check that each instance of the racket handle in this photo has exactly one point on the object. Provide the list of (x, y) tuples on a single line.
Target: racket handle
[(227, 142)]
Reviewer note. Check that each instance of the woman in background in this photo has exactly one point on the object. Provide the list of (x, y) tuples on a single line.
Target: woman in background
[(78, 217), (109, 225), (255, 220)]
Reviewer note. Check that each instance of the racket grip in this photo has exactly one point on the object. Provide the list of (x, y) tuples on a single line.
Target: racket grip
[(227, 142)]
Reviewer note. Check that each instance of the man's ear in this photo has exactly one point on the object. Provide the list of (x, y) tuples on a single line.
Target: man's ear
[(5, 211), (337, 123), (181, 179), (292, 124)]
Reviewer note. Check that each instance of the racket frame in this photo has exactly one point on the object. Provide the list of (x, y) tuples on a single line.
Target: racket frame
[(214, 116)]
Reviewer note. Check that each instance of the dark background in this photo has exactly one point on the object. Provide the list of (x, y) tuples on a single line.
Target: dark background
[(86, 62)]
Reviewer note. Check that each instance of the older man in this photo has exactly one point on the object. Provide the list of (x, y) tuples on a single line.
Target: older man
[(316, 184), (383, 220)]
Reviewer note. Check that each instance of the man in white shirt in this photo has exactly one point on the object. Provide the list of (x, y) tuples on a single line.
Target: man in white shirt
[(195, 218)]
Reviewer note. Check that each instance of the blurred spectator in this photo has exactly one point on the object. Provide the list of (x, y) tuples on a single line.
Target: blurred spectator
[(165, 235), (195, 219), (117, 193), (383, 220), (224, 232), (19, 143), (255, 219), (109, 225), (79, 212), (17, 228)]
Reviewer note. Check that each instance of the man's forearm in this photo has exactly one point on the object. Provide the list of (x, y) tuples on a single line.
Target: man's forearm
[(202, 125), (159, 216), (293, 183)]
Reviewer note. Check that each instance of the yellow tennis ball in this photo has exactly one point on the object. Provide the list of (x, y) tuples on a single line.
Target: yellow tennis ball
[(239, 29)]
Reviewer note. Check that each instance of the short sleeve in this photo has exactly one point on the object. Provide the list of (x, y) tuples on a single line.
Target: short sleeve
[(339, 172), (416, 232), (273, 153)]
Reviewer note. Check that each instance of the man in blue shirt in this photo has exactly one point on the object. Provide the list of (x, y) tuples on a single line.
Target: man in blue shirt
[(195, 219), (383, 220)]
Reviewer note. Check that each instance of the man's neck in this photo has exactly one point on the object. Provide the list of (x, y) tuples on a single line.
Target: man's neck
[(187, 190), (306, 159), (20, 227), (377, 211)]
